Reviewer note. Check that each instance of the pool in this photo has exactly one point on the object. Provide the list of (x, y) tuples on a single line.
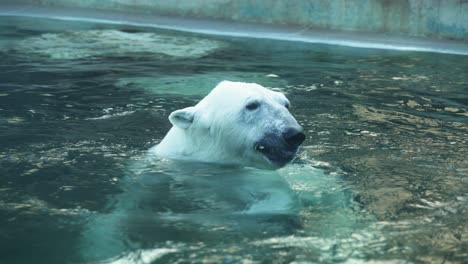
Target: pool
[(382, 176)]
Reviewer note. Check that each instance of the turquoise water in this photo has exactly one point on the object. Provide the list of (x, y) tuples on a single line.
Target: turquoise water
[(382, 175)]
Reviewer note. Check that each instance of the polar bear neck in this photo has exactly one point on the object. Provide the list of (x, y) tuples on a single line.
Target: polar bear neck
[(179, 145)]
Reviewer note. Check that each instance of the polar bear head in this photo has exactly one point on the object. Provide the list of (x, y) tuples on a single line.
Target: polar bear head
[(237, 123)]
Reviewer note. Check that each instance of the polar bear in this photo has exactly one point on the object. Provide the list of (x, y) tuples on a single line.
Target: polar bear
[(243, 124), (211, 175)]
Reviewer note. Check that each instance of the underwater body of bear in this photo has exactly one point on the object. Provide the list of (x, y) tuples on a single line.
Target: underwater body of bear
[(237, 123), (211, 172)]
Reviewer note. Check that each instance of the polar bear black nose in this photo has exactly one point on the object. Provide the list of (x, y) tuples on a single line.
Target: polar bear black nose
[(294, 136)]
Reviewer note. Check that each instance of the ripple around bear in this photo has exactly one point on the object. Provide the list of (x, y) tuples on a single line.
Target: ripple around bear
[(183, 186), (237, 123)]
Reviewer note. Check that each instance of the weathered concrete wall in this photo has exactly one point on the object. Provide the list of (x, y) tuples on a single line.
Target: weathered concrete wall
[(446, 19)]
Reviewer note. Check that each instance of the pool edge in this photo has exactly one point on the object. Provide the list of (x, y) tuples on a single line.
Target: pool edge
[(245, 30)]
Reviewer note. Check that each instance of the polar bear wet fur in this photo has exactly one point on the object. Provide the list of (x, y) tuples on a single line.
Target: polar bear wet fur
[(243, 124)]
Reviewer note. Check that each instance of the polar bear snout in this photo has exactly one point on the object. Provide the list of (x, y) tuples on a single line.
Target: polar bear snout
[(294, 136), (280, 148)]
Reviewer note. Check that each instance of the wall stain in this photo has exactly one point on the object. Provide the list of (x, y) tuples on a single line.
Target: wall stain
[(445, 19)]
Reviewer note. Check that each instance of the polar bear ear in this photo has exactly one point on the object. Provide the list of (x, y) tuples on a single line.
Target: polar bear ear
[(182, 118)]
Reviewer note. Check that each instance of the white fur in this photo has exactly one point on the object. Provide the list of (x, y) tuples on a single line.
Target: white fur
[(219, 129)]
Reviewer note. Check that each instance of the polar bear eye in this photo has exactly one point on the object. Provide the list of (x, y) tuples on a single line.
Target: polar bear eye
[(252, 106), (287, 105)]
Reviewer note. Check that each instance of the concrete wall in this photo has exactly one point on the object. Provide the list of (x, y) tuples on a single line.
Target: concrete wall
[(445, 19)]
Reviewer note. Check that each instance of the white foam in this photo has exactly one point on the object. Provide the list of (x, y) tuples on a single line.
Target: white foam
[(95, 43), (107, 116), (142, 256)]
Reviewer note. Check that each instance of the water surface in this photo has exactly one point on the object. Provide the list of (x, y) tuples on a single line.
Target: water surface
[(381, 176)]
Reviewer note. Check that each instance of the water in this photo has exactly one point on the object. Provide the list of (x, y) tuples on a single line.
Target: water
[(382, 175)]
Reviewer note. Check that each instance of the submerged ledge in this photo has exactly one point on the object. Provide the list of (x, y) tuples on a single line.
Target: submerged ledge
[(247, 30)]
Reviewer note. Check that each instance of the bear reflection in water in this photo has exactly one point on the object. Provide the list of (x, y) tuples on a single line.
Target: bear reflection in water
[(211, 178)]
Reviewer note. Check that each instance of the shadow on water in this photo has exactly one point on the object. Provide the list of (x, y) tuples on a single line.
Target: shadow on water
[(381, 176)]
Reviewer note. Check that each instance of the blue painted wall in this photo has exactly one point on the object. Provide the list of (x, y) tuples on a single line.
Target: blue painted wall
[(446, 19)]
